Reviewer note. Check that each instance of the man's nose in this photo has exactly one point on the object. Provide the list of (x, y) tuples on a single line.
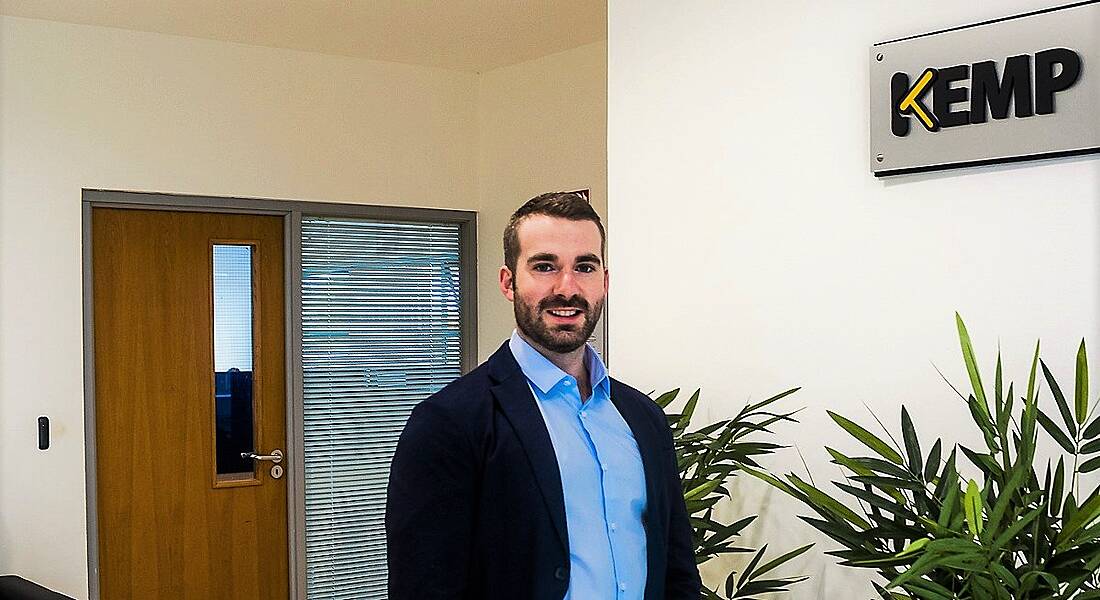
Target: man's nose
[(566, 284)]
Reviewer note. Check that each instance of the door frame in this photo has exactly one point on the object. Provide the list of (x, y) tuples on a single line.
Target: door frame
[(291, 212)]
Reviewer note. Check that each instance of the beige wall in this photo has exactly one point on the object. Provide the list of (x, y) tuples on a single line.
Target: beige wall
[(90, 107), (543, 127), (777, 260)]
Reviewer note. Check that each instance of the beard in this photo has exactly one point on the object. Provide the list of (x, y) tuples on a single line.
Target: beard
[(562, 339)]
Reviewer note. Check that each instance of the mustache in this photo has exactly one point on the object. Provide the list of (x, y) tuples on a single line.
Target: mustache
[(563, 302)]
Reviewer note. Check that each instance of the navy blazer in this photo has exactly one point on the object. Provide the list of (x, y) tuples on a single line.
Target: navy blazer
[(475, 509)]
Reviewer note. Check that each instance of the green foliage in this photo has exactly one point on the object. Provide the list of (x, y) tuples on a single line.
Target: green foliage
[(709, 458), (1008, 535)]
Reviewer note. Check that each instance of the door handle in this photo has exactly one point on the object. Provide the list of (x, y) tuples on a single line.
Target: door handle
[(276, 456)]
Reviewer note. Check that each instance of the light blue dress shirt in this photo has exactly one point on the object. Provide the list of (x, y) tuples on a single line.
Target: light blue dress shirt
[(601, 476)]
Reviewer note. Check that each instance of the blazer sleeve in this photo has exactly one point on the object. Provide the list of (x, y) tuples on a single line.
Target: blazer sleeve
[(682, 581), (430, 505)]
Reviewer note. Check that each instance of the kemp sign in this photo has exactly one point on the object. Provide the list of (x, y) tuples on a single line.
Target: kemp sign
[(981, 92), (1027, 87)]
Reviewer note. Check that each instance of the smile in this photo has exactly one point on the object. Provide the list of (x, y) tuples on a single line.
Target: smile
[(565, 313)]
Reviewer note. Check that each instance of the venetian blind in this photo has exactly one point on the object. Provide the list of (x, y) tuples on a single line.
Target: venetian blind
[(380, 332)]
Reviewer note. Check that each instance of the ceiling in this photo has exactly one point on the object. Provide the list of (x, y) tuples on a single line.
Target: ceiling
[(467, 35)]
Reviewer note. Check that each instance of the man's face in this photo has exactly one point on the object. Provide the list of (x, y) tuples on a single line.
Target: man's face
[(560, 283)]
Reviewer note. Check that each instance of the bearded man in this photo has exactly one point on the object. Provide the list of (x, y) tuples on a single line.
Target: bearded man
[(536, 475)]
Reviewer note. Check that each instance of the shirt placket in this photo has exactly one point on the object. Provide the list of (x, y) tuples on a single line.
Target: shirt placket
[(611, 527)]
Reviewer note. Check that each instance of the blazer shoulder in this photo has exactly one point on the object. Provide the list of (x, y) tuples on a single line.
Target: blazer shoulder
[(463, 397), (635, 395)]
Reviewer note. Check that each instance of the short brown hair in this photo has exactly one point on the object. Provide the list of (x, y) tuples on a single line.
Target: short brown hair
[(565, 205)]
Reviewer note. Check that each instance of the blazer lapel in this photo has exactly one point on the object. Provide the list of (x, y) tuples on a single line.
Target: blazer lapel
[(649, 445), (518, 405)]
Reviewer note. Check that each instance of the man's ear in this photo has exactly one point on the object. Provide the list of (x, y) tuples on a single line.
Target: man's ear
[(506, 283)]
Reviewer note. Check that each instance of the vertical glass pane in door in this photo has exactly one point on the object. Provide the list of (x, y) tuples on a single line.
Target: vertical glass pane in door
[(380, 332), (233, 314)]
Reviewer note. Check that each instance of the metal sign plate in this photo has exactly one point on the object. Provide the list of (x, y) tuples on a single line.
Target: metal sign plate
[(1018, 88)]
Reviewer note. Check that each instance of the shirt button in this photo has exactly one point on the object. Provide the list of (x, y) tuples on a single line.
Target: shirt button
[(604, 467), (614, 527), (560, 574), (622, 587), (568, 383), (583, 414)]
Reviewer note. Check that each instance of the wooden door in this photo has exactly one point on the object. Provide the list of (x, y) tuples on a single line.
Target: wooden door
[(180, 513)]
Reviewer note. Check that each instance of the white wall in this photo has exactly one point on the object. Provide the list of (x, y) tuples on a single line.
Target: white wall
[(90, 107), (543, 127), (753, 250)]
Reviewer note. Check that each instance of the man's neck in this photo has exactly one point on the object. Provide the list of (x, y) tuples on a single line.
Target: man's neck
[(571, 362)]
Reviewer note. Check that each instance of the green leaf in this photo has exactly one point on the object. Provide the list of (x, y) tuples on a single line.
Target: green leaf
[(1089, 571), (772, 564), (1069, 510), (868, 439), (930, 590), (972, 503), (689, 410), (933, 465), (1014, 529), (1055, 432), (751, 590), (914, 547), (1082, 517), (1060, 400), (1090, 465), (1093, 430), (892, 505), (984, 462), (666, 398), (823, 501), (845, 461), (1004, 498), (998, 387), (912, 444), (1006, 577), (889, 483), (1031, 378), (1058, 487), (752, 565), (702, 490), (981, 418), (949, 504), (777, 483), (731, 584), (883, 467), (931, 557), (754, 407), (1081, 389), (971, 365), (838, 530)]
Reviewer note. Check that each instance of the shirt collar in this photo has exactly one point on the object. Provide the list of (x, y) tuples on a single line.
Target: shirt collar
[(545, 374)]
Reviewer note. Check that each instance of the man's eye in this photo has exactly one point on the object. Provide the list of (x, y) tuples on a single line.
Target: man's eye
[(544, 267), (586, 268)]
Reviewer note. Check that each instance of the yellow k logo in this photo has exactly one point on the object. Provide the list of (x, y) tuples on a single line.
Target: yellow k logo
[(911, 103)]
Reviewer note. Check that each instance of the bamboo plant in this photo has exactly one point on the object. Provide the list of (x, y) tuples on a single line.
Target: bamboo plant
[(1020, 530), (709, 458)]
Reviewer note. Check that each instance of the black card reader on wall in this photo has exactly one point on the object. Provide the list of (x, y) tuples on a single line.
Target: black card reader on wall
[(43, 433)]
